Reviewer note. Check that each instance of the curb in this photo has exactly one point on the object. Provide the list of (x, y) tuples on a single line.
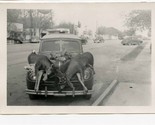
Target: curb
[(105, 93)]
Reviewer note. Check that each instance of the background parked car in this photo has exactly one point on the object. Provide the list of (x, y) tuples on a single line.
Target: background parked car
[(99, 39), (131, 41), (35, 39), (16, 39), (84, 39)]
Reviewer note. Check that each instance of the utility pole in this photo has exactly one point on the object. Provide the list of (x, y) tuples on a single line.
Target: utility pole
[(31, 25), (96, 27)]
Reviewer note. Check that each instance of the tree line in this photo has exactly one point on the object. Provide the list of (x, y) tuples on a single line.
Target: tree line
[(43, 19), (136, 20)]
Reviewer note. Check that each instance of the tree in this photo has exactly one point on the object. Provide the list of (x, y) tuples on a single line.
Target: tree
[(45, 19), (139, 20), (111, 31), (31, 19), (129, 32), (13, 15), (90, 32), (37, 18), (101, 30)]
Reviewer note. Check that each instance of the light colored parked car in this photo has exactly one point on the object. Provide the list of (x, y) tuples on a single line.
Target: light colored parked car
[(131, 41), (35, 39)]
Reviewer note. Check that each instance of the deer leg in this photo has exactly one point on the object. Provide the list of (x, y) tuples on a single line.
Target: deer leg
[(45, 77), (39, 75), (82, 82), (72, 86)]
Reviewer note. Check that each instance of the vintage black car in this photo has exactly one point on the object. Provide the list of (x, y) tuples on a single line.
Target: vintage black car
[(58, 45)]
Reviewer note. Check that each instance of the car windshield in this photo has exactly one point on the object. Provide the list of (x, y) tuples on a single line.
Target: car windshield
[(71, 46), (61, 45), (50, 46)]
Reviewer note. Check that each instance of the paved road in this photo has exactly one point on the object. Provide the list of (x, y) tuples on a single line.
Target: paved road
[(134, 76), (109, 65)]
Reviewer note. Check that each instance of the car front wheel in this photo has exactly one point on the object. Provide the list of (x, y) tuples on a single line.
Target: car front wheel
[(33, 97)]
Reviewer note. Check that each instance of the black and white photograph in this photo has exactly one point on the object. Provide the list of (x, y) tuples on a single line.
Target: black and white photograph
[(78, 54)]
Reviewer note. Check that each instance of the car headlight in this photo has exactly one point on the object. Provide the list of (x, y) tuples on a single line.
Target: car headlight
[(87, 74), (32, 75)]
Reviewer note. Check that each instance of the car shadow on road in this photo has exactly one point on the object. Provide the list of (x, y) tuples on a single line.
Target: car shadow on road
[(56, 101)]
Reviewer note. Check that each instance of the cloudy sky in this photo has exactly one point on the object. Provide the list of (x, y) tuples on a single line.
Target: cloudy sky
[(90, 16)]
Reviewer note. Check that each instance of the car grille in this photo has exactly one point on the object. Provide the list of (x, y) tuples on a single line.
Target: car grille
[(52, 84)]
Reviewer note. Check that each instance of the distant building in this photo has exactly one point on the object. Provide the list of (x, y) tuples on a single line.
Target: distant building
[(18, 27), (58, 30), (109, 37)]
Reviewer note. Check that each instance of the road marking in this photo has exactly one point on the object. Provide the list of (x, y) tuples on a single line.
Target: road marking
[(105, 93)]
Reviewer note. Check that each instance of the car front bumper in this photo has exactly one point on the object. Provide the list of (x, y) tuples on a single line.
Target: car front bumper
[(57, 93)]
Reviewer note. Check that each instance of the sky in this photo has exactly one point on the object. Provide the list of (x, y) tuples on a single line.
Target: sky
[(90, 16)]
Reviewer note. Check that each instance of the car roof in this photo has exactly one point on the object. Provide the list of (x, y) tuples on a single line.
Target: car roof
[(54, 36)]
